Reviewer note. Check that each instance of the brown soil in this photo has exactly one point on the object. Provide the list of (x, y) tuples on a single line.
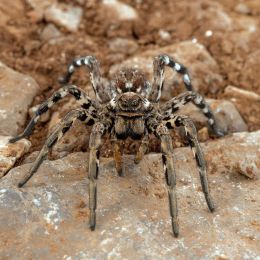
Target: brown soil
[(23, 49)]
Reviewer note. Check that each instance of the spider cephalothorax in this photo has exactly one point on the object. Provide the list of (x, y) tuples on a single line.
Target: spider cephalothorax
[(130, 80), (128, 108)]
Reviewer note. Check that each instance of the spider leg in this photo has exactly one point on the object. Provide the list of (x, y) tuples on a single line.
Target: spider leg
[(94, 144), (57, 134), (170, 175), (191, 133), (117, 156), (181, 100), (97, 81), (79, 95), (159, 64), (142, 149)]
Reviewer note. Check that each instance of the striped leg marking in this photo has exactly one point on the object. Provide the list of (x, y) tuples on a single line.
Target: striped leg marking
[(57, 134), (178, 102), (118, 156), (158, 67), (191, 134), (170, 175), (95, 76), (79, 95), (142, 149), (94, 144)]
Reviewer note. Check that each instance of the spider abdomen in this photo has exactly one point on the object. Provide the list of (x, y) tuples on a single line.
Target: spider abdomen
[(132, 127)]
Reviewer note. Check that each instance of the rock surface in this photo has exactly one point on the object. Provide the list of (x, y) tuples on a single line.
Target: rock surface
[(122, 10), (10, 153), (227, 116), (10, 10), (132, 216), (235, 92), (64, 15), (203, 68), (49, 32), (16, 94)]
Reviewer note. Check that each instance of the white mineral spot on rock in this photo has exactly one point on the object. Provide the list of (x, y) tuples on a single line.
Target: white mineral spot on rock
[(106, 241), (4, 141), (252, 28), (3, 114), (164, 34), (208, 33), (36, 202), (52, 216), (124, 11), (194, 40)]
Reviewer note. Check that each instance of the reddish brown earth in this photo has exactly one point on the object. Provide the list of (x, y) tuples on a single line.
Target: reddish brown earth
[(234, 44)]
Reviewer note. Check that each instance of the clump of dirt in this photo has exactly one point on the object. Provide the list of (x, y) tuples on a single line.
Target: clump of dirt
[(229, 32)]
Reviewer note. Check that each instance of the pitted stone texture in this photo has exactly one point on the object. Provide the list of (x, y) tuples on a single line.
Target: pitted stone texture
[(10, 153), (50, 216), (16, 94)]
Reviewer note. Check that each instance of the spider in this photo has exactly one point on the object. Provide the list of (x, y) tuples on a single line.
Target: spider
[(129, 107)]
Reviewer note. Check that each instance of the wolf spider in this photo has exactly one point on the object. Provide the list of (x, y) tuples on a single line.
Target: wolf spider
[(129, 107)]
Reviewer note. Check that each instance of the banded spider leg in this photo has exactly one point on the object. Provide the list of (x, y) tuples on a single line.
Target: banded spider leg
[(59, 131), (81, 97), (191, 134)]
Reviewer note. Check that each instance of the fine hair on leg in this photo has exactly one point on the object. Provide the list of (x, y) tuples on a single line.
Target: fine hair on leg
[(56, 135)]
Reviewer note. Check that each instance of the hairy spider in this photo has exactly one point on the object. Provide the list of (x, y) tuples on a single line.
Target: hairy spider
[(129, 107)]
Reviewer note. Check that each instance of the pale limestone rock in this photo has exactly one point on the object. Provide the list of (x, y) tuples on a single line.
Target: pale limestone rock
[(235, 92), (227, 116), (10, 153), (121, 45), (16, 94), (51, 212), (123, 11), (64, 15), (41, 5), (50, 32)]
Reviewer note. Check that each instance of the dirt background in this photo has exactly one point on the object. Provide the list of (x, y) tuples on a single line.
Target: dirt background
[(235, 48)]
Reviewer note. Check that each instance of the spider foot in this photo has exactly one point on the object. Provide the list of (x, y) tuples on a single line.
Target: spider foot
[(138, 158), (92, 220), (120, 172), (216, 131), (210, 203), (20, 184), (16, 138), (175, 228)]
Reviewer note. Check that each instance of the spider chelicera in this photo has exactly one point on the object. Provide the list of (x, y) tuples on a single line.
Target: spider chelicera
[(129, 107)]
